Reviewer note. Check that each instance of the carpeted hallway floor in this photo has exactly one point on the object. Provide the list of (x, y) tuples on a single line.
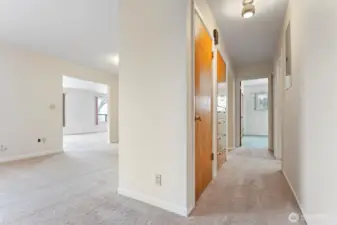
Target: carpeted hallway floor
[(79, 188), (255, 142)]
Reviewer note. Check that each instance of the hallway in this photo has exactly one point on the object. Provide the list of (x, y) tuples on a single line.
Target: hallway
[(79, 188), (255, 142), (250, 189)]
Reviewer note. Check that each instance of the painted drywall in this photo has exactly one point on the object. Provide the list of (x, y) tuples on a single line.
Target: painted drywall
[(153, 102), (309, 121), (255, 122), (254, 71), (80, 112), (31, 87)]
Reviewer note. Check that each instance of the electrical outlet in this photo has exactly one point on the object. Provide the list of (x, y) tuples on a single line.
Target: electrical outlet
[(158, 179), (44, 140), (3, 148)]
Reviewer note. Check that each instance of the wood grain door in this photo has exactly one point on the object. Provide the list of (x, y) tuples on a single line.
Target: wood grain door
[(203, 108), (221, 68)]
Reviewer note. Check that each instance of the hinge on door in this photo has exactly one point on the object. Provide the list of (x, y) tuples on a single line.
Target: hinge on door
[(212, 55), (212, 156)]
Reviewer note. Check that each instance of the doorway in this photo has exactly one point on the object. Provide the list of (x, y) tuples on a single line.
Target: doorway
[(85, 115), (254, 113)]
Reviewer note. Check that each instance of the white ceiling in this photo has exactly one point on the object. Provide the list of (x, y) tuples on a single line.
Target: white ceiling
[(253, 40), (82, 31), (85, 31)]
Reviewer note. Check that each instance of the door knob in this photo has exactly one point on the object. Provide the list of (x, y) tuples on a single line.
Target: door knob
[(197, 118)]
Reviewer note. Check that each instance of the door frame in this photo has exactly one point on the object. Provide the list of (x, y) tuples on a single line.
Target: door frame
[(241, 111), (278, 108)]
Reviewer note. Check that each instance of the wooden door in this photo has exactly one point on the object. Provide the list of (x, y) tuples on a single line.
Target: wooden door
[(221, 78), (203, 108), (221, 68)]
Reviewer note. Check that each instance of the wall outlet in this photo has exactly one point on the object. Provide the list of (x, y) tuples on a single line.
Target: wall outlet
[(3, 148), (44, 140), (158, 179)]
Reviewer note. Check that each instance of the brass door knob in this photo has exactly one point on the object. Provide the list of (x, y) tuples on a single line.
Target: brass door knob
[(197, 118)]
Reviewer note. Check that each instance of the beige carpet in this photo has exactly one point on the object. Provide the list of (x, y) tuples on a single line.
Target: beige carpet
[(79, 188)]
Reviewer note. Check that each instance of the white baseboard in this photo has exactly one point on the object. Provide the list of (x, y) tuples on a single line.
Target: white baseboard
[(295, 195), (231, 148), (189, 210), (29, 156), (155, 202)]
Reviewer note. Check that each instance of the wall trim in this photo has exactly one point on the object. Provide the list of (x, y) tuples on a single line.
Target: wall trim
[(182, 211), (29, 156), (296, 197), (231, 148), (255, 135)]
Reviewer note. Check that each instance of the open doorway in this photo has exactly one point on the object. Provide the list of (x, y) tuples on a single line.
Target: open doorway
[(254, 113), (85, 115)]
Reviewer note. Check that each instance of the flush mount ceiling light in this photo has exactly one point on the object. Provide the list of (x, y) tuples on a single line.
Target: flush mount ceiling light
[(248, 9), (113, 59)]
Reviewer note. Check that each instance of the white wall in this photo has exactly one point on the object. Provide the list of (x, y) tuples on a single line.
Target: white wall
[(31, 87), (255, 122), (80, 112), (310, 124), (153, 102), (254, 71)]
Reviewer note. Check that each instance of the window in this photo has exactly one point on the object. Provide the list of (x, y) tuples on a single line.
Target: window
[(261, 101), (102, 109)]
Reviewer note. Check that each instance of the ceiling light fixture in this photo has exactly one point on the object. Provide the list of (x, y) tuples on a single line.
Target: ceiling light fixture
[(113, 59), (248, 9)]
